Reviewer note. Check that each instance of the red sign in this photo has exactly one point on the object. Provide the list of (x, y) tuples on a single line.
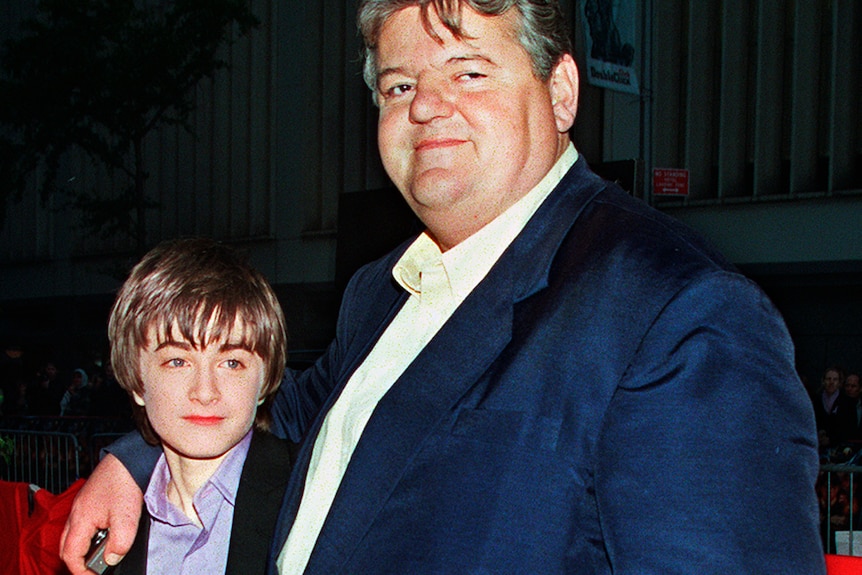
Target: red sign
[(669, 182)]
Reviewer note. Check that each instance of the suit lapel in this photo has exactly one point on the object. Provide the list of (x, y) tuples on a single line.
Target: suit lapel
[(261, 488), (383, 305), (427, 392)]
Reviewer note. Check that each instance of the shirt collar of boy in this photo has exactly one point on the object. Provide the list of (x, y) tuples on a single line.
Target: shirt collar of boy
[(174, 539)]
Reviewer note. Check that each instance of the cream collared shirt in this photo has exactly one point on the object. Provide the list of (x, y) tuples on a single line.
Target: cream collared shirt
[(438, 283)]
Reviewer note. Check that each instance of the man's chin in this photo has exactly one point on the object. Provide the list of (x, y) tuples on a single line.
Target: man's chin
[(436, 189)]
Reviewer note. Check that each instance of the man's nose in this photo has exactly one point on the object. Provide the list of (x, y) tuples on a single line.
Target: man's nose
[(431, 99)]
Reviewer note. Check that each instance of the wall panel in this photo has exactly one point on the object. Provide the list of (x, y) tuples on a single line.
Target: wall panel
[(763, 97)]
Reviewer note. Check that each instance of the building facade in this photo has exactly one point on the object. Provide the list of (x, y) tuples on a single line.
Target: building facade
[(759, 101)]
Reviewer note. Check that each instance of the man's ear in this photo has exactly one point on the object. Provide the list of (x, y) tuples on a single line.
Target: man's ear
[(563, 84), (139, 399)]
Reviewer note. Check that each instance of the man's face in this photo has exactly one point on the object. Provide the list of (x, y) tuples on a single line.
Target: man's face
[(200, 400), (831, 381), (852, 387), (465, 129)]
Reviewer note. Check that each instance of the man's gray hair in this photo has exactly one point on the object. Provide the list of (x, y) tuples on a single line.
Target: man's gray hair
[(543, 32)]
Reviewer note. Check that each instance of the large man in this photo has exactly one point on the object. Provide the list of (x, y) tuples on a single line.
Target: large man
[(557, 380)]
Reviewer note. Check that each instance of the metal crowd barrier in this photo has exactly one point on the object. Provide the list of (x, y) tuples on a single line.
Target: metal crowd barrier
[(839, 508), (48, 459)]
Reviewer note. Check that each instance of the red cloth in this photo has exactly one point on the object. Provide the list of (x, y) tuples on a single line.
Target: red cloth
[(13, 514), (30, 543), (843, 565)]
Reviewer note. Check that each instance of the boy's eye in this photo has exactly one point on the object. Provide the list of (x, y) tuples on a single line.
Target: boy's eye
[(233, 364), (176, 362)]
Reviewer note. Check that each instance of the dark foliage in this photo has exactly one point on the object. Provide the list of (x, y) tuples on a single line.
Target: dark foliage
[(98, 76)]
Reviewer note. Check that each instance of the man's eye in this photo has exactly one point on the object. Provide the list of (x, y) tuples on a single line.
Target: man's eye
[(471, 76), (233, 364), (176, 362), (397, 90)]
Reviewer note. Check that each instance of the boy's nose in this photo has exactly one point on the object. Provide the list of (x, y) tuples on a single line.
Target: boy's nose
[(205, 387)]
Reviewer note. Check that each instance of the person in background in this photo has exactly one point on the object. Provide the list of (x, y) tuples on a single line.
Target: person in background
[(850, 409), (45, 391), (826, 401), (76, 398), (552, 378)]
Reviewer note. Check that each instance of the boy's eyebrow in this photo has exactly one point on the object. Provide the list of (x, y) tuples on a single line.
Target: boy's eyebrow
[(186, 346), (233, 346), (173, 343)]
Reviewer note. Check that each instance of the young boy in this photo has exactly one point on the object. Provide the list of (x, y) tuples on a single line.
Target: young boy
[(198, 341)]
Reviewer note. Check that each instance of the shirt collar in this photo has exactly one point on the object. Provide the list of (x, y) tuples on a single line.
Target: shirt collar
[(423, 253), (224, 481), (467, 263)]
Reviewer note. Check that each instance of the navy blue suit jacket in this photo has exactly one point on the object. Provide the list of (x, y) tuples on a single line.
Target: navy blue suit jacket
[(612, 397)]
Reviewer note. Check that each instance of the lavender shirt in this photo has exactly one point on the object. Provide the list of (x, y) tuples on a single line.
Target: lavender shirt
[(178, 546)]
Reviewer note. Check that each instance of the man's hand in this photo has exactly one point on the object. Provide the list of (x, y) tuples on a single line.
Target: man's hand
[(109, 498)]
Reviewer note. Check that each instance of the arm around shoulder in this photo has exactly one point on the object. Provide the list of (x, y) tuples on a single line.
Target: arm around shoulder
[(137, 456), (109, 499)]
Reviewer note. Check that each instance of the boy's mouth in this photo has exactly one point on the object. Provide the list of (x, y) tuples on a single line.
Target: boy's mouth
[(203, 419)]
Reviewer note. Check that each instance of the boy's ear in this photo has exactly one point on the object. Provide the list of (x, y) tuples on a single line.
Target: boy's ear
[(138, 398)]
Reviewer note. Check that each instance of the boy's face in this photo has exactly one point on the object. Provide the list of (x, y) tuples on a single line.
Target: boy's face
[(201, 401)]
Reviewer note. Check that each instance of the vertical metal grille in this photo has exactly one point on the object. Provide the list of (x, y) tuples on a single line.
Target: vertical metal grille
[(47, 459), (759, 100)]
